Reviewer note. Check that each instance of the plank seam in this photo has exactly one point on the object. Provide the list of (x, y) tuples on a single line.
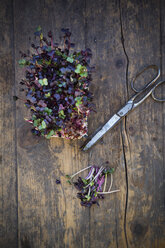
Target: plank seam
[(125, 131), (124, 49), (126, 178)]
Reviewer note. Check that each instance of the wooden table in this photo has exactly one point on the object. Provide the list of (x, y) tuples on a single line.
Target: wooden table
[(125, 36)]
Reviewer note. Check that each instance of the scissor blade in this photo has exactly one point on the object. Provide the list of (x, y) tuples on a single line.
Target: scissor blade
[(111, 123)]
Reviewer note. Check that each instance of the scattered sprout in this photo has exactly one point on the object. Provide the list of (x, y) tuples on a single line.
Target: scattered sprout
[(93, 186), (58, 181)]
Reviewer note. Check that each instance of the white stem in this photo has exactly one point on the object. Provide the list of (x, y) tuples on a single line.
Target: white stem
[(81, 171), (109, 192), (100, 170), (90, 174), (111, 183), (98, 173), (105, 183), (89, 191)]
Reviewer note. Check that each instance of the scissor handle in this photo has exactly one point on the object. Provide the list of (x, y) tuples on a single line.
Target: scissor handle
[(156, 68), (153, 92)]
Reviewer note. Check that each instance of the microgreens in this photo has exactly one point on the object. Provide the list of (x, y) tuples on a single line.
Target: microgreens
[(57, 87), (93, 186)]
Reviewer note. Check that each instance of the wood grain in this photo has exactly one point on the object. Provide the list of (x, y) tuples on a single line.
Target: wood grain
[(50, 214), (8, 175), (143, 130), (104, 36), (124, 36)]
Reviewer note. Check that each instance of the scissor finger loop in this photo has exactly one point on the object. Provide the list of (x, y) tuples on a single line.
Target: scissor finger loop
[(153, 92), (156, 68)]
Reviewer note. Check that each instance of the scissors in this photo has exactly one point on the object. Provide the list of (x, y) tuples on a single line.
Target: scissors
[(139, 96)]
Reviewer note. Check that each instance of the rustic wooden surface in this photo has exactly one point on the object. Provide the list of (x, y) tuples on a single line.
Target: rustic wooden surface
[(125, 36)]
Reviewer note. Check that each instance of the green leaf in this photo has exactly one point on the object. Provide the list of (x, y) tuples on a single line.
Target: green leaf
[(92, 183), (82, 70), (84, 181), (58, 53), (38, 28), (61, 114), (47, 62), (42, 133), (78, 98), (107, 171), (41, 36), (63, 84), (40, 81), (59, 90), (69, 59), (112, 170), (40, 127), (34, 117), (47, 94), (48, 110), (43, 125), (22, 62), (88, 197), (78, 101), (68, 177), (78, 68), (84, 74), (50, 134), (95, 194), (64, 56), (45, 81), (68, 181), (36, 123)]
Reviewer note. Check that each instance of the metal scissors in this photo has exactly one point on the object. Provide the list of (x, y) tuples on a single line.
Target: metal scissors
[(139, 96)]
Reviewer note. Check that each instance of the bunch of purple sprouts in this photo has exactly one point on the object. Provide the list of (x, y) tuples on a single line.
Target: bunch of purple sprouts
[(56, 87), (94, 186)]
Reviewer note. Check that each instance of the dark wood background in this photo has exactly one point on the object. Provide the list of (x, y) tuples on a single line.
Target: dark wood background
[(125, 36)]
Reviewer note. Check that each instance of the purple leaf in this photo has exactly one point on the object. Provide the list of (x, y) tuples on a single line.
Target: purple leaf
[(57, 96), (58, 181), (31, 98), (42, 103), (100, 182)]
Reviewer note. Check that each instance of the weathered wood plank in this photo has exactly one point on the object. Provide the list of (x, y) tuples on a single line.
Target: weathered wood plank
[(104, 36), (161, 216), (49, 215), (8, 175), (143, 132)]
